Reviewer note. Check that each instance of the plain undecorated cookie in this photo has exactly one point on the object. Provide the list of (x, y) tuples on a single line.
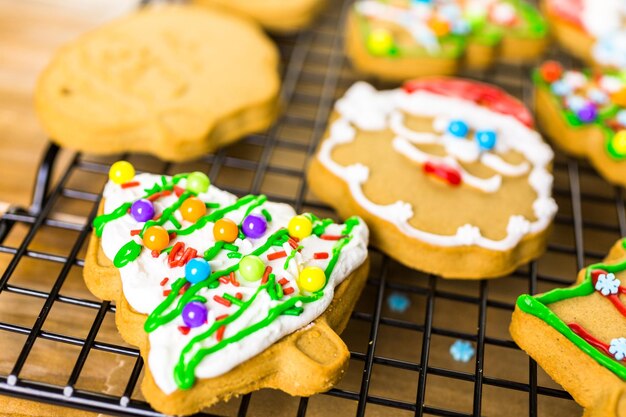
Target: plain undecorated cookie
[(409, 162), (268, 326), (277, 16), (174, 81), (578, 335), (400, 40)]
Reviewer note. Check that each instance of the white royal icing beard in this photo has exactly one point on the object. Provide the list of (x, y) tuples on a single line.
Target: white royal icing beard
[(141, 280), (605, 20), (366, 109)]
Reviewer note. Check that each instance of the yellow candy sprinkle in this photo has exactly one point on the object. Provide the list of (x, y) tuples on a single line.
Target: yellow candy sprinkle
[(300, 227), (121, 172), (619, 142), (311, 279), (379, 41)]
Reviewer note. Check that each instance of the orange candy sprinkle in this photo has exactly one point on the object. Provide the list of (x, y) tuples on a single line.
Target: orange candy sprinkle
[(192, 209), (619, 97), (156, 238), (439, 27), (225, 230)]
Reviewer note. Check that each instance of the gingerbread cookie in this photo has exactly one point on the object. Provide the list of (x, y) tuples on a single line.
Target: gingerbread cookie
[(403, 39), (448, 173), (174, 81), (278, 16), (223, 295), (593, 30), (578, 335), (584, 112)]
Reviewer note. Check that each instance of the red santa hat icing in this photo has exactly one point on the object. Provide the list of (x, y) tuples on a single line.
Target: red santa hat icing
[(569, 10), (491, 97)]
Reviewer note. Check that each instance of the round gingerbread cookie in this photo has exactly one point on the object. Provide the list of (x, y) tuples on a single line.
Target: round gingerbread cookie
[(584, 112), (278, 16), (404, 39), (174, 81), (593, 30), (449, 174)]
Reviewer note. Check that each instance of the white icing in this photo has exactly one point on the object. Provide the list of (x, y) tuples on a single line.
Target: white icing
[(141, 280), (386, 108), (604, 20)]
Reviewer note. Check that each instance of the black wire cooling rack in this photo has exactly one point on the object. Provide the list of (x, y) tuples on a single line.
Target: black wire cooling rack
[(400, 363)]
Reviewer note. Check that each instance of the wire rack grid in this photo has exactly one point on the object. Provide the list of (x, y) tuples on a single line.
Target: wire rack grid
[(399, 360)]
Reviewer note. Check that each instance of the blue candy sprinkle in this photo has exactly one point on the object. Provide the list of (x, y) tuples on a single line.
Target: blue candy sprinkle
[(458, 128), (621, 117), (598, 96), (561, 88), (486, 139), (197, 270), (461, 27), (462, 351), (398, 302), (575, 103)]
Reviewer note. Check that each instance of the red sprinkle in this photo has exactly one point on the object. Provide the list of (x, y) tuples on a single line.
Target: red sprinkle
[(320, 255), (331, 237), (223, 280), (184, 288), (266, 274), (239, 295), (233, 278), (295, 239), (183, 329), (276, 255), (283, 281), (172, 235), (164, 281), (166, 292), (222, 317), (293, 243), (222, 301), (157, 216), (156, 253), (288, 290), (130, 184), (219, 334), (173, 257), (178, 191), (154, 196), (447, 173), (135, 232)]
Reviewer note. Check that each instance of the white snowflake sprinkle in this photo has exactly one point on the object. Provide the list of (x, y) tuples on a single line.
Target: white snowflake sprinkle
[(607, 284), (618, 348)]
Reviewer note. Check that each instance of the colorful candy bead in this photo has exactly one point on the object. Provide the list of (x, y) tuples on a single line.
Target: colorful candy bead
[(503, 14), (254, 226), (192, 209), (121, 172), (621, 117), (300, 226), (156, 238), (575, 103), (439, 27), (619, 97), (598, 96), (311, 279), (198, 182), (610, 84), (142, 210), (560, 88), (619, 142), (251, 268), (588, 113), (197, 270), (461, 27), (195, 314), (486, 139), (225, 230), (380, 41), (551, 71), (458, 128)]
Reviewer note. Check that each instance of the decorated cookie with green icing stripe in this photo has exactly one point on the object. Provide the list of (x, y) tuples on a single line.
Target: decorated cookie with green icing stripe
[(584, 112), (219, 279), (578, 334), (440, 29)]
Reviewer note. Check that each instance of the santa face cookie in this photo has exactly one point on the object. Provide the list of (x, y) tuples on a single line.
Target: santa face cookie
[(223, 295), (578, 335), (590, 29), (403, 39), (584, 112), (174, 81), (448, 173), (277, 16)]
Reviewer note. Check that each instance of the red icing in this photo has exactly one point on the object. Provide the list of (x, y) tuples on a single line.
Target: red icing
[(568, 10), (613, 298), (596, 343), (491, 97), (447, 173)]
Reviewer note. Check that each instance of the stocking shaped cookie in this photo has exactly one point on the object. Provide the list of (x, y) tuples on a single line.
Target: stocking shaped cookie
[(584, 112), (578, 335), (402, 39), (223, 295), (590, 29), (448, 173)]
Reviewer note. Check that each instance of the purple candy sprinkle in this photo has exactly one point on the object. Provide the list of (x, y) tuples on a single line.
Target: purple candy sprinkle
[(254, 226), (587, 113), (195, 314), (142, 210)]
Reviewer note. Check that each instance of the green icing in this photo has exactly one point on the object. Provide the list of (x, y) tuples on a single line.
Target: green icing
[(537, 306), (100, 221), (128, 253)]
